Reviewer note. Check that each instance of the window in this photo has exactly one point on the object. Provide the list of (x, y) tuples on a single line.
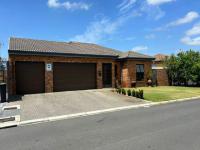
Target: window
[(116, 71), (139, 72)]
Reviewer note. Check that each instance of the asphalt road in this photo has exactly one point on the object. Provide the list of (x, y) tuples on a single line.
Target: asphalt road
[(165, 127)]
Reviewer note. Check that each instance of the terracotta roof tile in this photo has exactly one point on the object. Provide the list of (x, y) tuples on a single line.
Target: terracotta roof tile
[(160, 57), (21, 45), (30, 45)]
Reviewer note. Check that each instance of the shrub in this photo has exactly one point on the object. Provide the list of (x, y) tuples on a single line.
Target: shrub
[(123, 91), (133, 93), (120, 91), (117, 90), (129, 92), (141, 94), (137, 94)]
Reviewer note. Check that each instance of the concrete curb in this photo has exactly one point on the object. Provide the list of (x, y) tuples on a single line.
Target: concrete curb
[(176, 100), (11, 120), (90, 113)]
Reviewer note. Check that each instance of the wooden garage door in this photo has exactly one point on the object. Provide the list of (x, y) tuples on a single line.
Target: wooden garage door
[(74, 76), (30, 77)]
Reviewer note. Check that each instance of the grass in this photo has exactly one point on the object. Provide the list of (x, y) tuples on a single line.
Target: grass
[(165, 93)]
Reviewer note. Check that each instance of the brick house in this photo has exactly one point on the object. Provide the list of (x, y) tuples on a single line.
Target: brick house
[(159, 70), (39, 66)]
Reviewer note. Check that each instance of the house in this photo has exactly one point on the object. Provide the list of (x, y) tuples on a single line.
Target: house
[(3, 71), (39, 66), (159, 70)]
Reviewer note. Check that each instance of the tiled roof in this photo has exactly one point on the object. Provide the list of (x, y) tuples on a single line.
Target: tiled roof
[(132, 54), (30, 45), (160, 57), (22, 45)]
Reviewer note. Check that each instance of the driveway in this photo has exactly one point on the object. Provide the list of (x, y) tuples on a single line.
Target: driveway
[(37, 106)]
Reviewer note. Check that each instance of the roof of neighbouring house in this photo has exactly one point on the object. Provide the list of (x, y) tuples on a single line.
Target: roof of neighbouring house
[(31, 46), (160, 57), (132, 54)]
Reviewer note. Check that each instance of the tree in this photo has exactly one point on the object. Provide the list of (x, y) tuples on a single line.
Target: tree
[(184, 67), (172, 67)]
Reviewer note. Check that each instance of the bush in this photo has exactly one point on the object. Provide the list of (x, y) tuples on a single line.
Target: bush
[(123, 91), (117, 90), (133, 93), (141, 94), (137, 94), (120, 91), (129, 92)]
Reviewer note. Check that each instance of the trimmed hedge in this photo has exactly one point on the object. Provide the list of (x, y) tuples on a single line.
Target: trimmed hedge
[(135, 93), (123, 91), (141, 94), (120, 91), (129, 92)]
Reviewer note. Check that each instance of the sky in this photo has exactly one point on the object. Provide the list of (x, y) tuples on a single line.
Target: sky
[(145, 26)]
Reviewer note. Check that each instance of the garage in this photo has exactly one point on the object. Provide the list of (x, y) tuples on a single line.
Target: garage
[(30, 77), (74, 76)]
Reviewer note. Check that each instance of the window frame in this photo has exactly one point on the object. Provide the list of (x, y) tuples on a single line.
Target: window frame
[(140, 72)]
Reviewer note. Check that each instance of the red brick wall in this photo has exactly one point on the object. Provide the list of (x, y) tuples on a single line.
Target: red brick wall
[(126, 71), (129, 72), (162, 78), (49, 74)]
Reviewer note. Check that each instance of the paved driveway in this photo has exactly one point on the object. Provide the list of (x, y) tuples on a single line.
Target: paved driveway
[(37, 106)]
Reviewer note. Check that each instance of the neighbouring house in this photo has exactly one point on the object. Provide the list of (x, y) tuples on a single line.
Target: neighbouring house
[(39, 66), (3, 71), (159, 71)]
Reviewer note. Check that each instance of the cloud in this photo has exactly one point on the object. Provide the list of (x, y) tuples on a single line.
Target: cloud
[(194, 31), (158, 2), (131, 38), (189, 17), (101, 29), (192, 36), (97, 30), (126, 5), (150, 36), (191, 41), (68, 5), (140, 48), (151, 11), (142, 8)]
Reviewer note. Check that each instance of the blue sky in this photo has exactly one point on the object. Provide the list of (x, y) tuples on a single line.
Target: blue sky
[(146, 26)]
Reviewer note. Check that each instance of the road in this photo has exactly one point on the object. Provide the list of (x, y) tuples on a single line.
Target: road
[(166, 127)]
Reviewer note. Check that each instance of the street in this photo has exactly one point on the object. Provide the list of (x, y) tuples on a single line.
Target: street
[(165, 127)]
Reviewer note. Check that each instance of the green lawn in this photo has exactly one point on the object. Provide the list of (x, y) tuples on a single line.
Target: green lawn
[(164, 93)]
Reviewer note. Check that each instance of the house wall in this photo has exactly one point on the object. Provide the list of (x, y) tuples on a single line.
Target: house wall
[(129, 72), (161, 74), (125, 73), (49, 74), (162, 78)]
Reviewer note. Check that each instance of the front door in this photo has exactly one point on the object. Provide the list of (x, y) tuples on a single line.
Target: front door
[(107, 75)]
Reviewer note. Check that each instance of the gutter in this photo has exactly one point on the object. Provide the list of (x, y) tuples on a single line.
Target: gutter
[(34, 53), (135, 58)]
